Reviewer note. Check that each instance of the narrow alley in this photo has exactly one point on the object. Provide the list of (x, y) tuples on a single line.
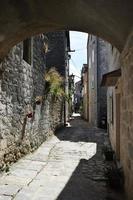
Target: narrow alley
[(69, 166), (58, 58)]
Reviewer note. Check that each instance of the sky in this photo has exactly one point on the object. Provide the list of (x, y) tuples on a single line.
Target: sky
[(78, 42)]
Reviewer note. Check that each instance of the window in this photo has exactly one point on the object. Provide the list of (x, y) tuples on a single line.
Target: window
[(27, 50)]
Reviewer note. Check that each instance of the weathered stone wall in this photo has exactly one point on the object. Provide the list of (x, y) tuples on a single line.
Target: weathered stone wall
[(20, 83), (56, 56), (127, 116)]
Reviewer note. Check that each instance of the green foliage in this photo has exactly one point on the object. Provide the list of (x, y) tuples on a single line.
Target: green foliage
[(68, 96), (54, 83)]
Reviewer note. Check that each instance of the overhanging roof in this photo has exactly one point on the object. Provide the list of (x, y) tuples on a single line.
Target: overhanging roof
[(111, 78)]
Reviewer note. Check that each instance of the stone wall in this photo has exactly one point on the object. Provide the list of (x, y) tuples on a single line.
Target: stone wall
[(56, 56), (124, 87), (20, 84), (127, 116)]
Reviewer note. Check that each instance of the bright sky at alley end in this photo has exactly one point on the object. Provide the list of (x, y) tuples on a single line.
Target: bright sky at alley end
[(78, 42)]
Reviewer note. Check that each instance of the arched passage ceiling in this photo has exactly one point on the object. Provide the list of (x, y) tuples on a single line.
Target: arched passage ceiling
[(109, 19)]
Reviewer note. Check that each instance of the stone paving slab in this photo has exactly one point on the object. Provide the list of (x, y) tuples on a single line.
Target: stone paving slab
[(5, 197), (14, 180), (61, 169), (9, 190), (29, 165)]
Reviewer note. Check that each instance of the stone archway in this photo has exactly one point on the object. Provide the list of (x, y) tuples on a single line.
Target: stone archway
[(111, 20)]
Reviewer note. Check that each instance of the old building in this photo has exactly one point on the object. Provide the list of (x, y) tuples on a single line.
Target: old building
[(98, 65), (28, 114), (58, 57), (85, 91), (59, 46), (71, 94), (112, 80), (105, 102), (118, 121), (78, 96)]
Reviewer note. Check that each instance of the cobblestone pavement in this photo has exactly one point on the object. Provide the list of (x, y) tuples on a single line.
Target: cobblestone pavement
[(69, 166)]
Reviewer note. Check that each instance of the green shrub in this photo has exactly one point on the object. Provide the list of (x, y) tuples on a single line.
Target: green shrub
[(54, 83)]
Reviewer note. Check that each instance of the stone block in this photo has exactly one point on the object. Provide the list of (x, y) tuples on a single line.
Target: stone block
[(130, 150), (3, 197), (3, 144), (20, 84), (9, 190)]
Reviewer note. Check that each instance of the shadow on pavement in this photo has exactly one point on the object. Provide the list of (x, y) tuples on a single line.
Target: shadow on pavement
[(79, 131), (87, 181), (84, 184)]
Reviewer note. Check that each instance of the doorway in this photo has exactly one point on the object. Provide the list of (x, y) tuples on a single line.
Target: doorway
[(118, 97)]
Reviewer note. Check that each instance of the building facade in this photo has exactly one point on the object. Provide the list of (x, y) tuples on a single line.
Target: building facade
[(118, 121), (85, 91), (27, 114), (71, 94), (78, 97), (98, 65), (112, 81), (58, 57)]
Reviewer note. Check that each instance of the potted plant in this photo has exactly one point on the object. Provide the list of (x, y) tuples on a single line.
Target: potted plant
[(108, 153)]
